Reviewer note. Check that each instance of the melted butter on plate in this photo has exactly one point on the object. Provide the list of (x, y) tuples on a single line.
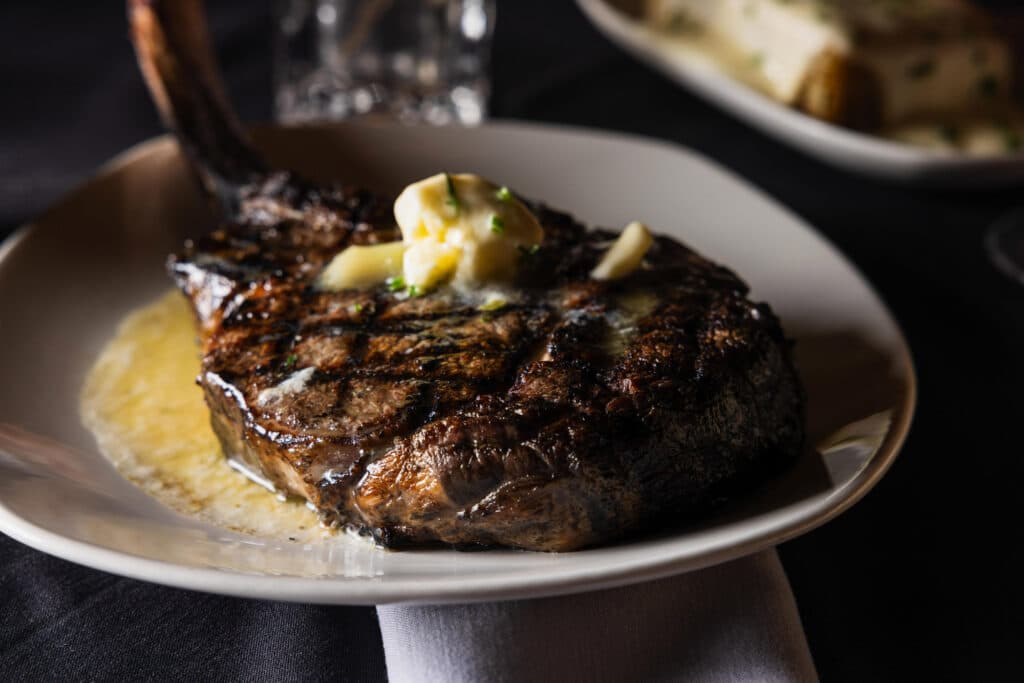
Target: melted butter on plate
[(141, 402)]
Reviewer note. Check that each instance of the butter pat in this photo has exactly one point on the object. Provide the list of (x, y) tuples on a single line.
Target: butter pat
[(626, 254), (363, 266), (463, 229)]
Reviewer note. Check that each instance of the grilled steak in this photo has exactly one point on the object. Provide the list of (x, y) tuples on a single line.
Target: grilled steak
[(577, 413)]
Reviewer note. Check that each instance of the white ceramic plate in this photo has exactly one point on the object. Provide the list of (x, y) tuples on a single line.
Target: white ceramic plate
[(838, 146), (66, 281)]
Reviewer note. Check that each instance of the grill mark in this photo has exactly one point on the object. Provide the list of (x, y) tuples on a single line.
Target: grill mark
[(430, 316), (358, 353), (380, 327), (387, 327)]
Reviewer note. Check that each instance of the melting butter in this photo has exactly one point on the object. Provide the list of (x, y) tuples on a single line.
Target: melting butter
[(141, 402), (293, 384), (464, 228), (631, 308), (456, 228), (363, 266), (626, 254)]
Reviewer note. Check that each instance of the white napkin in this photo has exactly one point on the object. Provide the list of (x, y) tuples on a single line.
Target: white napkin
[(734, 622)]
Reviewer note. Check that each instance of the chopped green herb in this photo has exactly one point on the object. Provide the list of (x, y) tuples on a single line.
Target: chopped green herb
[(504, 194), (414, 290), (921, 69), (453, 199), (497, 225), (358, 308), (486, 318), (290, 360), (988, 86), (528, 250), (395, 284)]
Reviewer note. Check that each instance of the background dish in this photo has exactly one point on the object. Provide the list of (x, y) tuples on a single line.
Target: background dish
[(65, 283), (841, 147)]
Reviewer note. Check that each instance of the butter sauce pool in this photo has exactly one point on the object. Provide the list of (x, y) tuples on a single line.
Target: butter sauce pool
[(142, 404)]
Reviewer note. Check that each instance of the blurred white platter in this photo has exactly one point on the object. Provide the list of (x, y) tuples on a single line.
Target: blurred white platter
[(832, 144)]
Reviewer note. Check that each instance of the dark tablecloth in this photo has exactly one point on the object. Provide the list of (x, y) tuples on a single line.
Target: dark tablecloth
[(917, 582)]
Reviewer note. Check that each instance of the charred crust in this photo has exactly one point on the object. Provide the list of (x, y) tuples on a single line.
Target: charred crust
[(562, 420)]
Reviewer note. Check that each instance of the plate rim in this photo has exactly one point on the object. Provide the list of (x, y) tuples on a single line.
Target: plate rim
[(361, 591)]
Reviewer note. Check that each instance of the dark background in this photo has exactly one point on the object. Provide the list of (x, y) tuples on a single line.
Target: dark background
[(919, 581)]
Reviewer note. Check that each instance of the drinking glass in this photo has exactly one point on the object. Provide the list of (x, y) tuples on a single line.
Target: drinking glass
[(412, 60)]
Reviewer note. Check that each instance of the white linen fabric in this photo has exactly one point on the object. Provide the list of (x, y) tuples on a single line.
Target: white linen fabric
[(734, 622)]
